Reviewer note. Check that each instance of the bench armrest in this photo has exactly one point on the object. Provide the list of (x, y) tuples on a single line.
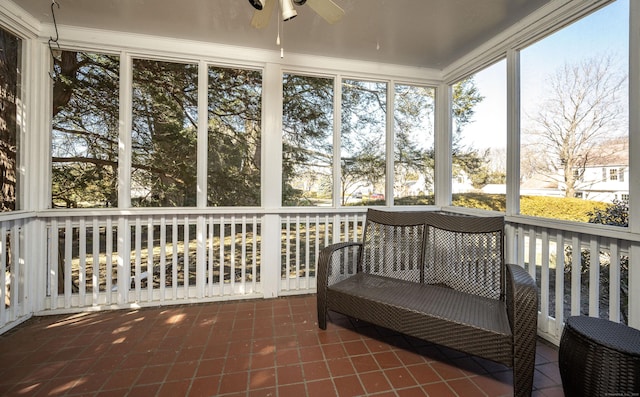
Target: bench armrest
[(522, 309), (335, 263)]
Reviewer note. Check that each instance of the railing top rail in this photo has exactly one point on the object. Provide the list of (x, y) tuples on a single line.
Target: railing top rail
[(185, 211), (16, 215), (621, 233)]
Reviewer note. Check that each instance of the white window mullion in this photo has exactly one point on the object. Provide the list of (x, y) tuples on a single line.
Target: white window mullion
[(513, 132), (124, 147), (390, 138), (337, 141), (203, 124), (443, 141)]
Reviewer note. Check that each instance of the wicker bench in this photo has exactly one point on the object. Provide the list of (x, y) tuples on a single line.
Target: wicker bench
[(438, 277)]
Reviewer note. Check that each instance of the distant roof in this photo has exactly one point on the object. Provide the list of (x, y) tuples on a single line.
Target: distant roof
[(614, 152)]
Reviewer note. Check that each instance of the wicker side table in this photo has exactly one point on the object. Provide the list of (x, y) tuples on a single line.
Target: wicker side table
[(598, 357)]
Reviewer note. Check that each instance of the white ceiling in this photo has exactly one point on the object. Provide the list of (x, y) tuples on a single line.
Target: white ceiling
[(423, 33)]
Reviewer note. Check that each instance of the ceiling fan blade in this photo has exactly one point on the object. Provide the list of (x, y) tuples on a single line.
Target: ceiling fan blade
[(327, 9), (261, 18)]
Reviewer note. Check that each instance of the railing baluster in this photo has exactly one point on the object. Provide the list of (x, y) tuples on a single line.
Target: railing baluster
[(109, 260), (68, 255), (297, 257), (559, 298), (307, 258), (138, 259), (16, 272), (614, 281), (4, 282), (95, 266), (163, 258), (210, 237), (221, 265), (174, 257), (53, 265), (594, 277), (243, 272), (576, 267), (185, 256), (82, 259), (254, 255), (150, 269), (544, 280), (233, 255), (287, 252)]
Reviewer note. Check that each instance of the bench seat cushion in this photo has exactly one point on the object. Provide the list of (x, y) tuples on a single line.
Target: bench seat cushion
[(466, 322)]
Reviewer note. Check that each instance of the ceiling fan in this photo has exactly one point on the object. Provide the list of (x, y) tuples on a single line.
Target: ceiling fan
[(327, 9)]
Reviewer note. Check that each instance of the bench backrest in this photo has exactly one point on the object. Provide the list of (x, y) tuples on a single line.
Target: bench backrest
[(462, 252)]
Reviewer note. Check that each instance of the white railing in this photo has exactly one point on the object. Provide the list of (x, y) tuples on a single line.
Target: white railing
[(307, 235), (14, 277), (100, 260), (579, 270), (119, 261), (97, 261)]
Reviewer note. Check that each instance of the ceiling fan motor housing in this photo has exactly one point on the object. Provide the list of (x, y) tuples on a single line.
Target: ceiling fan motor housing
[(258, 4)]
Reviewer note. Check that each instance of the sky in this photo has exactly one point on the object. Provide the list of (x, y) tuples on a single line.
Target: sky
[(604, 32)]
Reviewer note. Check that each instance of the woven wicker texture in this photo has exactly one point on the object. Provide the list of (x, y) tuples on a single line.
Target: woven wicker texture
[(598, 357), (467, 262), (522, 309), (393, 251), (439, 277)]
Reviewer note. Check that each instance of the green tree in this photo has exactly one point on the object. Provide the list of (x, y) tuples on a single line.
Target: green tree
[(234, 137), (85, 133), (307, 133), (363, 124), (466, 96), (85, 115), (413, 143), (164, 136)]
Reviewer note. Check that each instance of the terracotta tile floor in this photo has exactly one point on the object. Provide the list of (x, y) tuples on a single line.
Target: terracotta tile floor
[(246, 348)]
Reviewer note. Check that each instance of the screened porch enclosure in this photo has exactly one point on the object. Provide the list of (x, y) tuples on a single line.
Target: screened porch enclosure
[(162, 172)]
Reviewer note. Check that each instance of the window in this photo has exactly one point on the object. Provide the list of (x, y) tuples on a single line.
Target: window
[(574, 115), (307, 141), (578, 175), (480, 139), (362, 155), (235, 112), (621, 172), (84, 139), (413, 145), (10, 76), (164, 136)]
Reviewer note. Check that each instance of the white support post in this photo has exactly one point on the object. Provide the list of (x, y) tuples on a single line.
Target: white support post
[(202, 169), (124, 141), (271, 177), (443, 142), (203, 134), (513, 132), (123, 261)]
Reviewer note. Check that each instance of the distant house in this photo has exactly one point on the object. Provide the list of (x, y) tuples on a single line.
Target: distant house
[(604, 177)]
